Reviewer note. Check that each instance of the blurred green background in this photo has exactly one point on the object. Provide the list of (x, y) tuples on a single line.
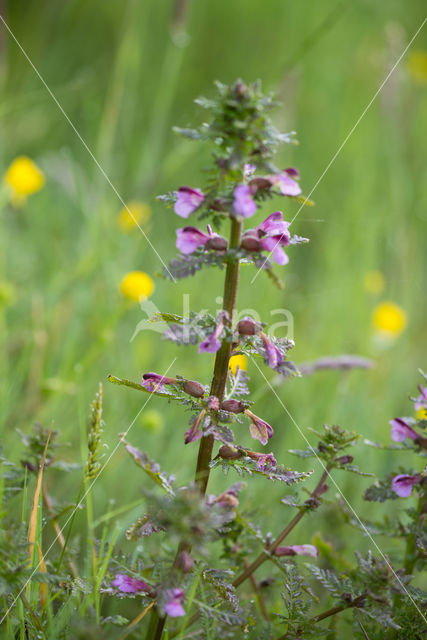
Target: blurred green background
[(125, 73)]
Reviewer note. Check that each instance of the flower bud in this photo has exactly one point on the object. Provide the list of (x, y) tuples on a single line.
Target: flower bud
[(344, 459), (234, 406), (247, 326), (251, 241), (229, 453), (213, 403), (260, 183), (218, 243), (193, 388)]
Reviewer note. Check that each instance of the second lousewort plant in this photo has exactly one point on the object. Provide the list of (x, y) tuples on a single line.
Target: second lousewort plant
[(182, 589)]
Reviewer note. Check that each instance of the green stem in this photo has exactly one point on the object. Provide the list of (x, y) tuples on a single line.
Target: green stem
[(220, 372), (219, 380)]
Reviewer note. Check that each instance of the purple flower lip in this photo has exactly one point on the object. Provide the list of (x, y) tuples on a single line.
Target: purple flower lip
[(244, 205), (271, 235), (194, 433), (259, 429), (403, 483), (126, 584), (297, 550), (212, 344), (173, 607), (400, 430), (285, 182), (274, 357), (154, 382), (187, 201), (188, 239)]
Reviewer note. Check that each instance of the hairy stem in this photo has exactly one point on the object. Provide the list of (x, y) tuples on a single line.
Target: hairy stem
[(286, 531), (219, 377)]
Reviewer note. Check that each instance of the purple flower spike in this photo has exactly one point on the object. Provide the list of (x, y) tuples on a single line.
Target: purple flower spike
[(274, 357), (286, 183), (259, 429), (402, 484), (173, 607), (126, 584), (244, 205), (421, 401), (298, 550), (154, 382), (187, 201), (401, 430), (188, 239)]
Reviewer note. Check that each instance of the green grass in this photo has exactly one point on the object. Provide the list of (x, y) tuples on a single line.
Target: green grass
[(124, 82)]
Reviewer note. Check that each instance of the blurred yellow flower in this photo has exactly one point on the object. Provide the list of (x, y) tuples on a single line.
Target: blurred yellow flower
[(389, 318), (137, 284), (152, 420), (417, 64), (421, 414), (133, 214), (23, 179), (240, 361), (374, 282)]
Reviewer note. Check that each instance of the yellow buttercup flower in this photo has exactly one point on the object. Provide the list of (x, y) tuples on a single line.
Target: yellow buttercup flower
[(23, 179), (389, 318), (133, 214), (240, 361), (374, 282), (136, 285), (421, 414), (417, 64)]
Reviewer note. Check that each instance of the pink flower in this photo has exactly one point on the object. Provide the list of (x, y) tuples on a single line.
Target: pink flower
[(173, 607), (285, 182), (421, 401), (259, 429), (154, 382), (275, 235), (402, 484), (194, 433), (212, 344), (401, 430), (297, 550), (187, 201), (274, 357), (244, 205), (126, 584), (188, 239)]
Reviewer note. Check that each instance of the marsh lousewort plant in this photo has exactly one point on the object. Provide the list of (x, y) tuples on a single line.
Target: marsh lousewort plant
[(198, 549)]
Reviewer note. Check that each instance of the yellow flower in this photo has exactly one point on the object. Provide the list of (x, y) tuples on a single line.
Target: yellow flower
[(374, 282), (152, 420), (389, 318), (23, 179), (136, 285), (417, 64), (133, 214), (238, 361), (421, 414)]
